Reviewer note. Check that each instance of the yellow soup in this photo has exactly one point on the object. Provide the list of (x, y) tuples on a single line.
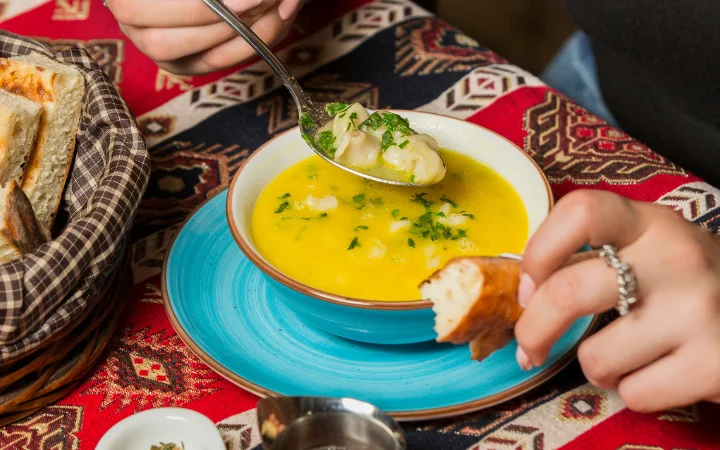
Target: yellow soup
[(345, 235)]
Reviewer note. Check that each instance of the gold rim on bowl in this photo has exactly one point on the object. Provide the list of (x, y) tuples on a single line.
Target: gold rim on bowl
[(295, 285)]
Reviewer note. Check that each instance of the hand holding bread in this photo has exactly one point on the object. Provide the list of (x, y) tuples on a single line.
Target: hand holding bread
[(475, 300)]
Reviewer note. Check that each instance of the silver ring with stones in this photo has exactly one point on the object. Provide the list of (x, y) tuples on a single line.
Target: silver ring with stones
[(627, 285)]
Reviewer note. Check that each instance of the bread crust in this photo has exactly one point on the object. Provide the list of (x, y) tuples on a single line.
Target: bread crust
[(51, 84), (496, 307), (20, 227), (16, 146), (32, 82), (489, 323), (489, 341)]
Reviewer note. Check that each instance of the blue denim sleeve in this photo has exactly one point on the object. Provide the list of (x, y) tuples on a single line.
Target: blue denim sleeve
[(573, 73)]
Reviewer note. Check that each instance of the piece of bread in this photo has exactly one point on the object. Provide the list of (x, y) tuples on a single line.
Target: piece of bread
[(20, 231), (474, 295), (490, 341), (19, 122), (475, 300), (59, 89)]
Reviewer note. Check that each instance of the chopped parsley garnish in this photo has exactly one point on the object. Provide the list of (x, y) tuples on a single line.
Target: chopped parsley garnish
[(283, 206), (392, 122), (396, 124), (467, 214), (326, 142), (395, 212), (354, 243), (404, 143), (360, 227), (353, 117), (334, 108), (373, 122), (306, 121), (428, 226), (412, 178), (420, 198), (411, 243), (444, 199), (284, 196), (362, 201), (446, 231), (308, 139), (403, 218), (387, 141), (168, 446), (319, 216)]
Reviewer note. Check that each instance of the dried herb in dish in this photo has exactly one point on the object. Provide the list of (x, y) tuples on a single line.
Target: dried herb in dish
[(169, 446)]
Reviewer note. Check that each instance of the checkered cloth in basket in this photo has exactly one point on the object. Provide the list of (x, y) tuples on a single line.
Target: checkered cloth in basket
[(50, 288)]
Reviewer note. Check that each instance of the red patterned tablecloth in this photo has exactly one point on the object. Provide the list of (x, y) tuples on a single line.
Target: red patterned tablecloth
[(383, 53)]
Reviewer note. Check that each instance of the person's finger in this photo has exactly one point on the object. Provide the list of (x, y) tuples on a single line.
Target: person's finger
[(679, 379), (572, 292), (589, 287), (178, 13), (268, 27), (581, 217), (169, 44), (288, 8), (624, 347)]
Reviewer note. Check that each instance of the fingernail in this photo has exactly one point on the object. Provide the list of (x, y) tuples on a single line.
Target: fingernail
[(242, 5), (525, 290), (286, 11), (523, 359)]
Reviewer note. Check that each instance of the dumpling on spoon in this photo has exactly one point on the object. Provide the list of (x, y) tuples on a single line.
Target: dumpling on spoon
[(381, 144), (347, 120), (418, 156), (358, 149), (351, 147)]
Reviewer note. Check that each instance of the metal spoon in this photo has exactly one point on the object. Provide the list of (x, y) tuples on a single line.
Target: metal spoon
[(324, 423), (305, 104)]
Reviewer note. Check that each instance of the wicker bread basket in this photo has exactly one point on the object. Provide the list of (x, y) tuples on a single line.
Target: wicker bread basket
[(60, 303)]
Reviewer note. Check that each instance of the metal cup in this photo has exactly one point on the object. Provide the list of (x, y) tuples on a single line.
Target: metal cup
[(323, 423)]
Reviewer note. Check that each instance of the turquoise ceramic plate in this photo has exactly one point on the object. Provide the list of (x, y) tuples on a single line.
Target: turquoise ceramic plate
[(221, 306)]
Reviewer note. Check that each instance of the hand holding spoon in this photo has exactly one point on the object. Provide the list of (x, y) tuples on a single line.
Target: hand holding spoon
[(312, 116)]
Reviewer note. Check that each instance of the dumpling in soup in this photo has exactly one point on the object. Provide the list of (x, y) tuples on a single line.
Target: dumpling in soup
[(358, 149), (418, 157)]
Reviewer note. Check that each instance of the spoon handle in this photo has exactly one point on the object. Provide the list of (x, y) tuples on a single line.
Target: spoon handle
[(262, 49)]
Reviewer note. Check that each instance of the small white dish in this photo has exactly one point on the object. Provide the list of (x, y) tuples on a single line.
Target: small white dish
[(180, 426)]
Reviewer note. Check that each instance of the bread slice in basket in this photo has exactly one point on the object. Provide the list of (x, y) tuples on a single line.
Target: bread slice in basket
[(20, 232), (19, 123), (59, 88), (475, 300)]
